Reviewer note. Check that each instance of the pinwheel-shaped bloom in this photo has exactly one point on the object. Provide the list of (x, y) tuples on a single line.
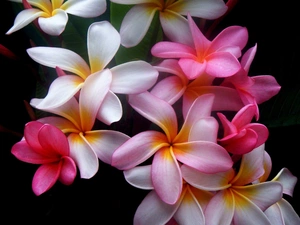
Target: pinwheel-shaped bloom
[(252, 90), (217, 58), (187, 210), (77, 121), (46, 145), (195, 144), (238, 198), (240, 135), (52, 15), (103, 42), (281, 213), (171, 14), (176, 85)]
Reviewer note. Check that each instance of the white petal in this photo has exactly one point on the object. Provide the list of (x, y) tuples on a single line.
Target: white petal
[(133, 77), (139, 177), (24, 18), (103, 43), (55, 24), (86, 8)]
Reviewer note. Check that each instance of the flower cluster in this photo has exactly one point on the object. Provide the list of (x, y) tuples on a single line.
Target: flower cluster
[(191, 137)]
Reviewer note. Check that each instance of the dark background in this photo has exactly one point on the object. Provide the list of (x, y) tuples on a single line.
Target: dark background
[(107, 197)]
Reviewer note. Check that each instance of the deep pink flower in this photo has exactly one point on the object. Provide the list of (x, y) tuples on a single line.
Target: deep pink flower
[(46, 145)]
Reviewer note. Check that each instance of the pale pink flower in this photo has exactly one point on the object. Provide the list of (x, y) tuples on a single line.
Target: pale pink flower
[(188, 209), (241, 135), (255, 89), (194, 145), (52, 15), (46, 145), (217, 58), (171, 15), (77, 118), (238, 198), (103, 43)]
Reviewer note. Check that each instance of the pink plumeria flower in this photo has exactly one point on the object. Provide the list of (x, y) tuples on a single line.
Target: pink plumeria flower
[(46, 145), (52, 15), (252, 90), (103, 43), (281, 213), (241, 135), (217, 58), (194, 145), (187, 210), (176, 85), (238, 200), (77, 119), (171, 15)]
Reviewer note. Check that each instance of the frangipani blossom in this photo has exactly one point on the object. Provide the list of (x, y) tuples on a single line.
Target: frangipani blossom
[(103, 43), (237, 199), (171, 14), (194, 145), (252, 90), (52, 15), (217, 58), (240, 135), (281, 213), (187, 210), (176, 85), (46, 145), (77, 119)]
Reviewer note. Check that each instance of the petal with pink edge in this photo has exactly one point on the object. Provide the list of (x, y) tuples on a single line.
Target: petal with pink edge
[(288, 181), (150, 207), (55, 24), (133, 77), (166, 176), (45, 177), (83, 155)]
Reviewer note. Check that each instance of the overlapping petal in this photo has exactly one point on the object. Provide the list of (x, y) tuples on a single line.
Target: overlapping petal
[(85, 9), (55, 24)]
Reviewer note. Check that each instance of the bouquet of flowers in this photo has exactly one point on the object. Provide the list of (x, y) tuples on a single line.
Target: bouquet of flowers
[(154, 90)]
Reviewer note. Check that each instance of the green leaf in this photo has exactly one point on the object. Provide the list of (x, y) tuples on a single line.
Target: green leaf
[(142, 50), (283, 109)]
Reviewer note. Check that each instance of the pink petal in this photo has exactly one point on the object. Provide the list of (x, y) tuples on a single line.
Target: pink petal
[(83, 155), (105, 142), (171, 66), (165, 49), (68, 171), (248, 57), (31, 132), (138, 149), (261, 131), (102, 47), (157, 111), (228, 127), (204, 156), (205, 129), (192, 68), (166, 176), (55, 24), (222, 64), (152, 206), (133, 77), (45, 177)]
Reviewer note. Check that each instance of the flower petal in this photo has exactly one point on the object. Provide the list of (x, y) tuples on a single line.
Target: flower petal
[(55, 24), (85, 9), (139, 177), (192, 68), (288, 181), (133, 77), (68, 171)]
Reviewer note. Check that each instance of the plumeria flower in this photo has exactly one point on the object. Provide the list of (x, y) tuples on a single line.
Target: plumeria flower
[(281, 213), (194, 145), (103, 43), (77, 118), (171, 15), (217, 58), (241, 136), (52, 15), (187, 210), (252, 90), (176, 85), (237, 199), (46, 145)]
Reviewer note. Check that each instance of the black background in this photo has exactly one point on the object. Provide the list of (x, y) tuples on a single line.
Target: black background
[(107, 198)]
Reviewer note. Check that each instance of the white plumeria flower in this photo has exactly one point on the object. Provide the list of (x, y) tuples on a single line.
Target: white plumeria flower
[(171, 14), (103, 42), (52, 15)]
